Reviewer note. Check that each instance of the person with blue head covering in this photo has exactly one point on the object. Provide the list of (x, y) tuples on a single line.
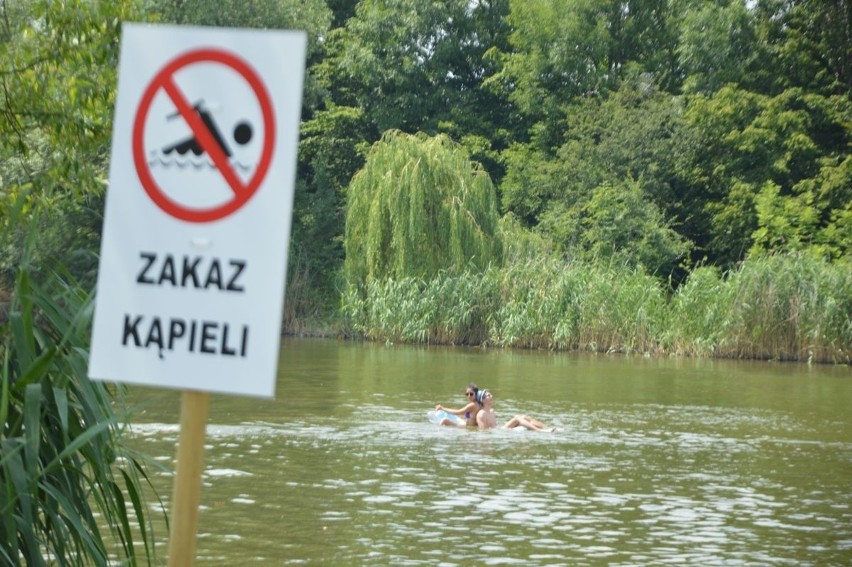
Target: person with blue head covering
[(487, 419)]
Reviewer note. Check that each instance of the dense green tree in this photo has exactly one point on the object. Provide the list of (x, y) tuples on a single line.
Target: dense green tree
[(341, 11), (419, 67), (810, 44), (564, 50), (559, 52), (621, 151), (395, 65), (617, 223), (331, 151), (789, 150), (58, 64), (418, 206), (313, 16), (734, 165), (415, 64), (717, 46)]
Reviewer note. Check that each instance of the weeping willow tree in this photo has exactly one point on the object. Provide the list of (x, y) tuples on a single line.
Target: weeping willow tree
[(418, 206)]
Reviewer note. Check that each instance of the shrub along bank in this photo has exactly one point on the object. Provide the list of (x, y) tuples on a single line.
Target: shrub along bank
[(784, 307)]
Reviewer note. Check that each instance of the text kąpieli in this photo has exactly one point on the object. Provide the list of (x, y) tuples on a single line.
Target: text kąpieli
[(193, 336)]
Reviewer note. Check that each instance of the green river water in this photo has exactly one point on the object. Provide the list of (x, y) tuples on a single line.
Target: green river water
[(655, 461)]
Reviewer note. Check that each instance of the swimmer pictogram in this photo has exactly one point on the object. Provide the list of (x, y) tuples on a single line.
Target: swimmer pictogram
[(241, 135), (201, 161)]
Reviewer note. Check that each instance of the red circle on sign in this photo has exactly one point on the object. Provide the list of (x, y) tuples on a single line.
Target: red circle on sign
[(165, 80)]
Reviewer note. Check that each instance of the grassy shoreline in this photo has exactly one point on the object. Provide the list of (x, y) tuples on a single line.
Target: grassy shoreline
[(783, 307), (790, 308)]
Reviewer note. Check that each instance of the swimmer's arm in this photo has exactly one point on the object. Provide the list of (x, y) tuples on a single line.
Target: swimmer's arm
[(469, 407)]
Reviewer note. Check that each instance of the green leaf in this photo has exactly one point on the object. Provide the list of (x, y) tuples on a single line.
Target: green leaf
[(13, 465), (37, 368), (32, 428), (78, 443)]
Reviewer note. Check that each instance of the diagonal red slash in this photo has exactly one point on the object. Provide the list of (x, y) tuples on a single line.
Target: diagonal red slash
[(164, 80), (202, 134)]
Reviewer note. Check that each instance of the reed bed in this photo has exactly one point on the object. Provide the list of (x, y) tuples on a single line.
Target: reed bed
[(577, 306), (788, 307), (452, 308), (785, 307)]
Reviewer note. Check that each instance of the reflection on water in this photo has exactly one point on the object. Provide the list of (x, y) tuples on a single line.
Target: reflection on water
[(343, 467)]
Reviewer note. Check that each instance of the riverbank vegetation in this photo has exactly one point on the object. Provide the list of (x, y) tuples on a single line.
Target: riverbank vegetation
[(668, 152), (777, 307), (70, 491)]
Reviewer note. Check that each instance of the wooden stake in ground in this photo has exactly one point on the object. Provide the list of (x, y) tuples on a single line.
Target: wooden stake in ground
[(187, 487)]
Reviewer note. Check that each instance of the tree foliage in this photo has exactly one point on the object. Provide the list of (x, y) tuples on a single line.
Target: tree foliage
[(774, 170), (57, 89), (717, 46), (618, 222), (313, 16), (607, 191), (421, 67), (724, 125), (412, 65), (417, 207), (809, 43), (332, 150), (737, 156)]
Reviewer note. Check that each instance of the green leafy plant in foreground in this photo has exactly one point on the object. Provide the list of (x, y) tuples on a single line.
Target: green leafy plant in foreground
[(68, 493)]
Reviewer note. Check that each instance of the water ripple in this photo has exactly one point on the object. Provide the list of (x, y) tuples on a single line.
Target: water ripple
[(615, 485)]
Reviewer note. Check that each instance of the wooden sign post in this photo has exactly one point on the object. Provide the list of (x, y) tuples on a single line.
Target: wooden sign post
[(197, 226), (186, 494)]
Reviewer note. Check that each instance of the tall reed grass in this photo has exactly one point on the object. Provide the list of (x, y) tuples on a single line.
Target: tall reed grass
[(577, 305), (69, 493), (790, 307), (776, 307), (451, 308)]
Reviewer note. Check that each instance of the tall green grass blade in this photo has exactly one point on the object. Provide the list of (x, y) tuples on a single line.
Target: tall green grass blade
[(138, 510), (22, 515), (125, 532), (60, 397), (86, 538), (21, 322), (5, 395), (78, 443), (32, 428)]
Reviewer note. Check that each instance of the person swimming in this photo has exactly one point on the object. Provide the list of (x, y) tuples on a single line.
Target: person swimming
[(469, 411), (487, 419)]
